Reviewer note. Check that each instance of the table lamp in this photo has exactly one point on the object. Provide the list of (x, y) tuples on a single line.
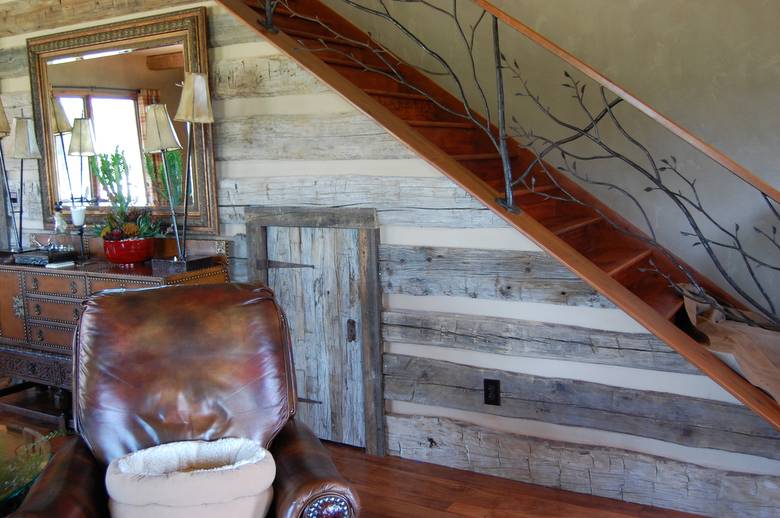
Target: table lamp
[(59, 126), (159, 138), (82, 143), (24, 147), (5, 130), (194, 107)]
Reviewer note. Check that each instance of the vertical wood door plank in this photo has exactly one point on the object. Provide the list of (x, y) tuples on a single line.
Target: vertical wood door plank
[(320, 298)]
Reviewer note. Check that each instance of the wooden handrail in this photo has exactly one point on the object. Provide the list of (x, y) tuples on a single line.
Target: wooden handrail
[(709, 150)]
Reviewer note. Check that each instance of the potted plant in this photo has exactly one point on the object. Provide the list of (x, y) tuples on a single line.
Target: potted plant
[(128, 233)]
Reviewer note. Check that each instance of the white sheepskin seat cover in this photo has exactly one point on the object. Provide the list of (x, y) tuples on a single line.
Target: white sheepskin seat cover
[(192, 479)]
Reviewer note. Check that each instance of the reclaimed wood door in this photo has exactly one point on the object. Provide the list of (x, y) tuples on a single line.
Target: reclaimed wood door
[(321, 276)]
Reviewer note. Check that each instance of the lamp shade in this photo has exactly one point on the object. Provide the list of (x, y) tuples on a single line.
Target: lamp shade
[(59, 121), (159, 135), (23, 143), (195, 103), (82, 141), (5, 128)]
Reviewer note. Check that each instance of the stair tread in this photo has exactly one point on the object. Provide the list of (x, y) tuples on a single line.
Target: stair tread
[(353, 64), (477, 156), (658, 294), (330, 39), (562, 224), (442, 124), (498, 184), (617, 259), (400, 95)]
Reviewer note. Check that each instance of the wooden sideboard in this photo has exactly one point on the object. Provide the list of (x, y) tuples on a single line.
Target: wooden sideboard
[(40, 307)]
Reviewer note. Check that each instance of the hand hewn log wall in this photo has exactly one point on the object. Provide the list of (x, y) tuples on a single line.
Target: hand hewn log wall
[(282, 138), (609, 472), (532, 339), (668, 417)]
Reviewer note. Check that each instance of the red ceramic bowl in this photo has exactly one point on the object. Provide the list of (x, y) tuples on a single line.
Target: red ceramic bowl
[(129, 251)]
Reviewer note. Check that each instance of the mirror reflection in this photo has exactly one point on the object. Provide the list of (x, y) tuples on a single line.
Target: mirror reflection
[(103, 96), (91, 88)]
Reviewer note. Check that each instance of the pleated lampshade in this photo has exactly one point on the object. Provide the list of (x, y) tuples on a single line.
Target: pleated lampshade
[(5, 128), (82, 141), (59, 121), (195, 103), (23, 142), (159, 135)]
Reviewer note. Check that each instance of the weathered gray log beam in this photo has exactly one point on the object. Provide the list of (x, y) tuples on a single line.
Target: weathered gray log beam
[(485, 274), (381, 192), (388, 213), (338, 136), (513, 337), (21, 16), (262, 76), (607, 472), (669, 417), (13, 62)]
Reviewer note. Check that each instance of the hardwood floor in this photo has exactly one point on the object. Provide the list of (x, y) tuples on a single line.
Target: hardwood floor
[(390, 487)]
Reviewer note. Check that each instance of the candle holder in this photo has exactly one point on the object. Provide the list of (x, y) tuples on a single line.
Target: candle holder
[(78, 217)]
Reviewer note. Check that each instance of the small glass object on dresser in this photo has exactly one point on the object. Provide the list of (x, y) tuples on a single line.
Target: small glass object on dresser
[(60, 240)]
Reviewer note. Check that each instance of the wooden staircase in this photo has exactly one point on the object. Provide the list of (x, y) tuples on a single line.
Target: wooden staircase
[(583, 237)]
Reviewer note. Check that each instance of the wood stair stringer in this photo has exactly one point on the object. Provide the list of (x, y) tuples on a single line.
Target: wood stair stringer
[(753, 397)]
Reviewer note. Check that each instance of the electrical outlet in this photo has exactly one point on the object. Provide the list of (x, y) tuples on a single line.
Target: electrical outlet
[(493, 392), (14, 197)]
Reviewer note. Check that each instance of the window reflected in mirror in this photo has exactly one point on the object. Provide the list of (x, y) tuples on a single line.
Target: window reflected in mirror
[(112, 90)]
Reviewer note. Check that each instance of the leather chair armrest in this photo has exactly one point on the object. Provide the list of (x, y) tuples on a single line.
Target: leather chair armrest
[(71, 486), (307, 484)]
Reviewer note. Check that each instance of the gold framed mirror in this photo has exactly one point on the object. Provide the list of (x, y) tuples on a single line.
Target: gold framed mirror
[(109, 74)]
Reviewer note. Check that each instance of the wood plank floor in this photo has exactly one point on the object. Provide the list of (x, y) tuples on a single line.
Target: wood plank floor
[(390, 487)]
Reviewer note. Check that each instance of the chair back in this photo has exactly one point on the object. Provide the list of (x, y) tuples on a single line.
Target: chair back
[(159, 365)]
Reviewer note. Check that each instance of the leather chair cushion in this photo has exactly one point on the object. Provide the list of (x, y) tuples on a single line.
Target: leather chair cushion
[(164, 364), (228, 477)]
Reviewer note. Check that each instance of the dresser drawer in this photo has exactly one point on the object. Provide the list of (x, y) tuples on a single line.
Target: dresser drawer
[(57, 285), (64, 312), (97, 284), (59, 338)]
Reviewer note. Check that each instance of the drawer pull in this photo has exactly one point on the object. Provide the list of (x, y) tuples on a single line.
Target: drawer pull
[(37, 310), (39, 335), (34, 283), (74, 288), (76, 313)]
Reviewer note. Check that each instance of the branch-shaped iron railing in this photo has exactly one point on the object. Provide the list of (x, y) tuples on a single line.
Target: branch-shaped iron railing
[(656, 172), (393, 70)]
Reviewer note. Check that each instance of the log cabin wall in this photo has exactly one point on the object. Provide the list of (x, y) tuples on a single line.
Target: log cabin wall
[(590, 401)]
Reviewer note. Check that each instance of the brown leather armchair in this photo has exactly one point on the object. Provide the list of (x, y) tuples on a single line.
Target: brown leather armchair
[(192, 362)]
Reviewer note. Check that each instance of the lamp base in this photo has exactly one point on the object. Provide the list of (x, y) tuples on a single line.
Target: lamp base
[(163, 267)]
